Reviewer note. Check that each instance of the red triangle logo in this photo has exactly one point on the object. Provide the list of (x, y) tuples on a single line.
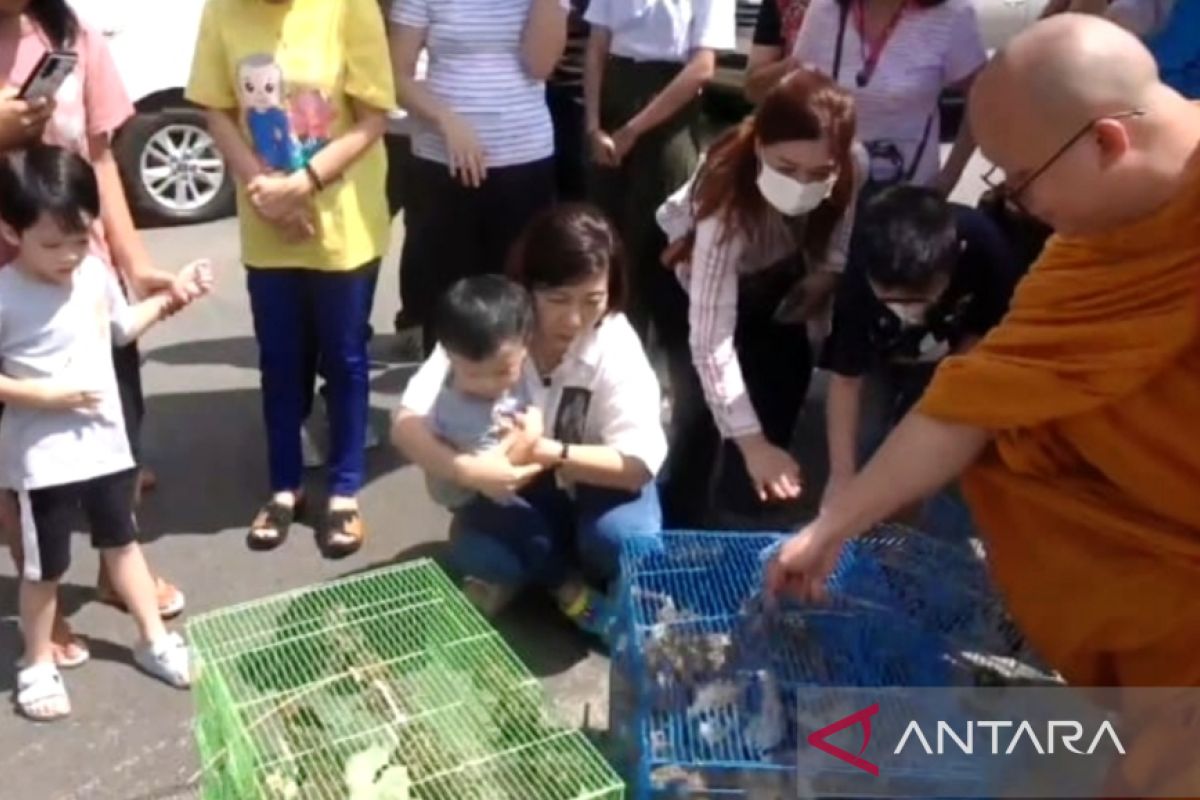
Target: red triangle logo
[(818, 739)]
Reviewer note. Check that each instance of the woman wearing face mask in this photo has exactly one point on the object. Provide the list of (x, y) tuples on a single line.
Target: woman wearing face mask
[(592, 486), (759, 237)]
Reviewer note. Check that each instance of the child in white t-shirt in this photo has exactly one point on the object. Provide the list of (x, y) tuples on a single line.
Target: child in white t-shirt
[(63, 447)]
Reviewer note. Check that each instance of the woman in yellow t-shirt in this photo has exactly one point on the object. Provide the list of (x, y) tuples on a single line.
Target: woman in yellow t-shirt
[(297, 93)]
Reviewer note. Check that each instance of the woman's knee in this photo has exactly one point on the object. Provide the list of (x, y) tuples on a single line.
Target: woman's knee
[(615, 520), (486, 558)]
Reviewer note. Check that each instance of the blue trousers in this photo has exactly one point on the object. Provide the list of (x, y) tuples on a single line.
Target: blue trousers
[(544, 535), (304, 318)]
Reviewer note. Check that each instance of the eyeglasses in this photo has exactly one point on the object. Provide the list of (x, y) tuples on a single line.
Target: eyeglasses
[(1013, 194)]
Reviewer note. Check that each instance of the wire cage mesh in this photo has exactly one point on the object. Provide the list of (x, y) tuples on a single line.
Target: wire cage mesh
[(386, 686), (705, 676)]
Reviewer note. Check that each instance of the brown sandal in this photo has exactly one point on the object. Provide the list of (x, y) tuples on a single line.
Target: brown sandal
[(273, 523), (343, 533)]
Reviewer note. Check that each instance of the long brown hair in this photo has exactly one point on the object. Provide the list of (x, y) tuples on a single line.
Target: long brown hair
[(805, 105)]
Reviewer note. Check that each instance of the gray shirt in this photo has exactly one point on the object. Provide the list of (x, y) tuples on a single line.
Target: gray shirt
[(65, 334), (469, 424)]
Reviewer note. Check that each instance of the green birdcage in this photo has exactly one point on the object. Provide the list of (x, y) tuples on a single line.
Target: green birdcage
[(386, 686)]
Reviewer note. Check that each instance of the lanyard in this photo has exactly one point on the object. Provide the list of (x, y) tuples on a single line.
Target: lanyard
[(873, 50)]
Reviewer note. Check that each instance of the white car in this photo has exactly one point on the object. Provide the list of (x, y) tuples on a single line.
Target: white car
[(172, 171)]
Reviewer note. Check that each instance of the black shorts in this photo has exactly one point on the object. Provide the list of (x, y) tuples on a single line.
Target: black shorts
[(50, 515)]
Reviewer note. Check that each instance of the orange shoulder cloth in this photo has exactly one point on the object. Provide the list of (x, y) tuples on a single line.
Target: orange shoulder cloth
[(1095, 320)]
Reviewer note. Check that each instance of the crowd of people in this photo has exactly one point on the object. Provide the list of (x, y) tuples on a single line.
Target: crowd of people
[(578, 258)]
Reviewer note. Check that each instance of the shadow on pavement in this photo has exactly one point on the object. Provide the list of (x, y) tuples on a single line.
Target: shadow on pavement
[(209, 452), (71, 598), (387, 352)]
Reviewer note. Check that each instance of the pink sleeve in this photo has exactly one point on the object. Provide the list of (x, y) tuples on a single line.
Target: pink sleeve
[(966, 54), (106, 103), (712, 320)]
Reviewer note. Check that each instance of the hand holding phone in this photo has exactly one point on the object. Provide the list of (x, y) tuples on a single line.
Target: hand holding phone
[(21, 121), (48, 76)]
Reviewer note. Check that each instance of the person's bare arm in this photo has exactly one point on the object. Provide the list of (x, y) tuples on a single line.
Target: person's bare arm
[(544, 37), (239, 157), (594, 465), (683, 89), (490, 473), (281, 197), (129, 253), (765, 67), (921, 456), (468, 162)]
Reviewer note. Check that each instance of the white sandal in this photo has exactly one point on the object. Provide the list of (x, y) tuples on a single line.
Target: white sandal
[(41, 687), (167, 660)]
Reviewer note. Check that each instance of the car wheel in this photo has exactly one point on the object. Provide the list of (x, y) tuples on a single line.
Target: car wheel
[(172, 171)]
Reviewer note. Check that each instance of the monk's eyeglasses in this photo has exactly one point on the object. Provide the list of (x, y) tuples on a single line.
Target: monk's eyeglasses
[(1013, 193)]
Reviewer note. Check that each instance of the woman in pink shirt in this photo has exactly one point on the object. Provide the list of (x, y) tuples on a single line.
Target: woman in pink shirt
[(87, 110), (759, 239)]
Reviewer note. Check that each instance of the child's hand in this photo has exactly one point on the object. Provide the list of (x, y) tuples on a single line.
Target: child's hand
[(193, 282), (523, 431), (55, 396)]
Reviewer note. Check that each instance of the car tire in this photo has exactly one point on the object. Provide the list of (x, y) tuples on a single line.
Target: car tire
[(171, 169)]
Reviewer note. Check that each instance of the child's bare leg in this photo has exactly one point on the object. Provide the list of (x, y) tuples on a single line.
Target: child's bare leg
[(133, 583), (38, 601), (67, 649)]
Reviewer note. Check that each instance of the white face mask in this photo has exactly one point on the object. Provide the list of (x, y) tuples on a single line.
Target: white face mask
[(789, 196), (909, 314)]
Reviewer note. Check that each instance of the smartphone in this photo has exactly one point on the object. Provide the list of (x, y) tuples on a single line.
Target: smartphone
[(49, 74)]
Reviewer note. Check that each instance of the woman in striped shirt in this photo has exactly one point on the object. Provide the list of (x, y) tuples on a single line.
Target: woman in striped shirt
[(760, 236), (897, 57), (483, 148)]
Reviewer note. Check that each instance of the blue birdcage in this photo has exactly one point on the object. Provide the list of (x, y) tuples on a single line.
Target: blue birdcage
[(706, 674)]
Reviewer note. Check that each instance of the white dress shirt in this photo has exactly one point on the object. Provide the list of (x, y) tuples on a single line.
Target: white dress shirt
[(665, 30), (604, 392)]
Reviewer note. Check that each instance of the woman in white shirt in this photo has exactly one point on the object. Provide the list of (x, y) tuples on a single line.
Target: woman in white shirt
[(647, 61), (897, 57), (760, 237), (483, 147), (592, 483)]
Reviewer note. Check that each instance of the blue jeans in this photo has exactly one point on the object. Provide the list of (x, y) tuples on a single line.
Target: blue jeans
[(304, 318), (544, 535)]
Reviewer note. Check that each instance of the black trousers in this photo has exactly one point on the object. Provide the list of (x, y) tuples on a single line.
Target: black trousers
[(570, 141), (659, 163), (706, 474), (453, 231)]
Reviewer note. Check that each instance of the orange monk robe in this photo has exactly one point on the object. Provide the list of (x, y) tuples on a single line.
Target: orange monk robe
[(1089, 496)]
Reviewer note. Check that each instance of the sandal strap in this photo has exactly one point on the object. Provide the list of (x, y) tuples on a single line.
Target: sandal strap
[(275, 516), (39, 683)]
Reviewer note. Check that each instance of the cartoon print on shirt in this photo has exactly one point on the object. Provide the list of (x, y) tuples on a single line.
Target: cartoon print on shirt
[(312, 117), (261, 95)]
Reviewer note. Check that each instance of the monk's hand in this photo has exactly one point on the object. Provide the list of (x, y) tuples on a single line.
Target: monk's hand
[(773, 472), (802, 567)]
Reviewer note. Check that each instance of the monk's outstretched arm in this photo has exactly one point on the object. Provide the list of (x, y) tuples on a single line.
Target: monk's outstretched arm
[(921, 456)]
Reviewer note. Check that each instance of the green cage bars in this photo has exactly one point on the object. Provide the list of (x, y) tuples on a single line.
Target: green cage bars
[(386, 686)]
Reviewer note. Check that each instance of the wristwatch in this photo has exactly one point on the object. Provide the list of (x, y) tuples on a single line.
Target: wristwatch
[(564, 453)]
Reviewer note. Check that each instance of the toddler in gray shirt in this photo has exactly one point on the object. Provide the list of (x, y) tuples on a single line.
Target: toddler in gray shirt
[(483, 325)]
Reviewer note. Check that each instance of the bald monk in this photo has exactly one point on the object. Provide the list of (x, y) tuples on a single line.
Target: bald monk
[(1076, 423)]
